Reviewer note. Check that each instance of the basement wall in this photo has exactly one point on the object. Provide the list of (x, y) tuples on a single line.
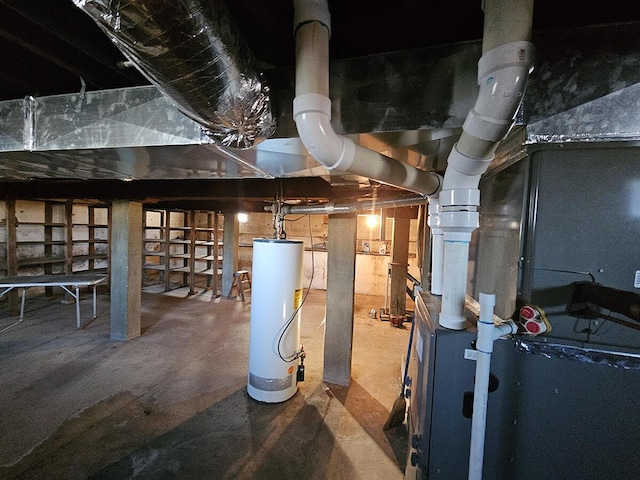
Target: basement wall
[(371, 268)]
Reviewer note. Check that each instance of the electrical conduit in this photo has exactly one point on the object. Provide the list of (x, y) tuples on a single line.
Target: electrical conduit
[(507, 58), (312, 110)]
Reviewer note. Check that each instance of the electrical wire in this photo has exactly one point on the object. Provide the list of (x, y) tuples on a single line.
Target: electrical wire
[(296, 355), (296, 219), (575, 272)]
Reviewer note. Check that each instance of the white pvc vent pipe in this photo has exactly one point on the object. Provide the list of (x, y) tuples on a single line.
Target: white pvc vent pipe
[(502, 76), (312, 110), (437, 245), (488, 332)]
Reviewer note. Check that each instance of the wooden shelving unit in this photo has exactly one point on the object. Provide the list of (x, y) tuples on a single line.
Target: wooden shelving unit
[(54, 238), (182, 249)]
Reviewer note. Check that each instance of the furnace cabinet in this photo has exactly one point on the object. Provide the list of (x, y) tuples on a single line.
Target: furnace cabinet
[(562, 405)]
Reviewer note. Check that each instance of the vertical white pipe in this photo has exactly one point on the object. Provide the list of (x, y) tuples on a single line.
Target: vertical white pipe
[(437, 261), (437, 245), (484, 347), (487, 333), (502, 74), (454, 284)]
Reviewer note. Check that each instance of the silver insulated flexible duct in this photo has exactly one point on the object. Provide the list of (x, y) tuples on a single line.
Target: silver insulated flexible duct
[(191, 51)]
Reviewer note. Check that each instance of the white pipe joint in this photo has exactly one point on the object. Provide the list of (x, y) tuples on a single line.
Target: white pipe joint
[(484, 343), (502, 77), (508, 327), (459, 197), (463, 171), (459, 213), (307, 11), (433, 220), (312, 114), (458, 225), (488, 331)]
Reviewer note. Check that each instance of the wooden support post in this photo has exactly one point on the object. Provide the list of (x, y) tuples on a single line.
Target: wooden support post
[(399, 263), (12, 254), (341, 267)]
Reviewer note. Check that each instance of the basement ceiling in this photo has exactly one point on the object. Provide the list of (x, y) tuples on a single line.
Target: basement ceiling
[(402, 77), (46, 46)]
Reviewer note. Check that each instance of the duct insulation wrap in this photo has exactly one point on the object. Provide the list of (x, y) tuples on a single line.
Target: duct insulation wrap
[(276, 293), (192, 52)]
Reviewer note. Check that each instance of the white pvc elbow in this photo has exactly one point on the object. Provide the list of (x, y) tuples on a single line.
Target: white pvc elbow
[(502, 77), (312, 114)]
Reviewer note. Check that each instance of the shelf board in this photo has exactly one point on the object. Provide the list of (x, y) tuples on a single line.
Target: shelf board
[(179, 241), (39, 242), (41, 224), (92, 240), (180, 255), (92, 271), (180, 269), (94, 256), (208, 271), (154, 254), (207, 258), (152, 266), (25, 262)]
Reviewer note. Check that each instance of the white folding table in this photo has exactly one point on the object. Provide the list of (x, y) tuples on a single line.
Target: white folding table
[(69, 283)]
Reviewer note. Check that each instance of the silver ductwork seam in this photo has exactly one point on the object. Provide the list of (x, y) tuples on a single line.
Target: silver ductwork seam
[(192, 52)]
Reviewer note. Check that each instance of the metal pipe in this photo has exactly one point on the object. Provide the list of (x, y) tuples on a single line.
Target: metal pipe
[(333, 208)]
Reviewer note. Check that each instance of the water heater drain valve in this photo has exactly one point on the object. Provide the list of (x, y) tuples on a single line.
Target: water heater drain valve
[(300, 373)]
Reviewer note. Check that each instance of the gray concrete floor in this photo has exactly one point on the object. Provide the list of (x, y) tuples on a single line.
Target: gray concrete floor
[(173, 403)]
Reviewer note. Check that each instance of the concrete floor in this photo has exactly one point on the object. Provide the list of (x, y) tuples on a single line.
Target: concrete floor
[(173, 403)]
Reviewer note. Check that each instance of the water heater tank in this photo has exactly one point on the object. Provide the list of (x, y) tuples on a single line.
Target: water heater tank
[(276, 292)]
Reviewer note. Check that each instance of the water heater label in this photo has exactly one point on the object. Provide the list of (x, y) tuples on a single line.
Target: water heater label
[(297, 298), (636, 283)]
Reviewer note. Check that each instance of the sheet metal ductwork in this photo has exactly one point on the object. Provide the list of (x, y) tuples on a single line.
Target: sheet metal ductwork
[(192, 52)]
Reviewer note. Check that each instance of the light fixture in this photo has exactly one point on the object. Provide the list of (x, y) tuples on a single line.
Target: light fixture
[(243, 217), (372, 221)]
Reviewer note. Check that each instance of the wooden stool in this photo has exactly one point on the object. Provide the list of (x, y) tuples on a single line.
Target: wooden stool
[(240, 279)]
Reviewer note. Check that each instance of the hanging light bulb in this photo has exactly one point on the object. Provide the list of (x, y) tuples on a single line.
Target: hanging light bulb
[(372, 221)]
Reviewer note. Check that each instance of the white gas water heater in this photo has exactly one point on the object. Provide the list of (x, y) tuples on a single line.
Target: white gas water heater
[(276, 297)]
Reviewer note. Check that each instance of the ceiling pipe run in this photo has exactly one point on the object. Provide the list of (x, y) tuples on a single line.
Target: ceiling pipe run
[(312, 110), (503, 70), (354, 207), (191, 51)]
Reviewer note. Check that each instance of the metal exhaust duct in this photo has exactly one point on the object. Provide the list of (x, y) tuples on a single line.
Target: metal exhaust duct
[(192, 52)]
